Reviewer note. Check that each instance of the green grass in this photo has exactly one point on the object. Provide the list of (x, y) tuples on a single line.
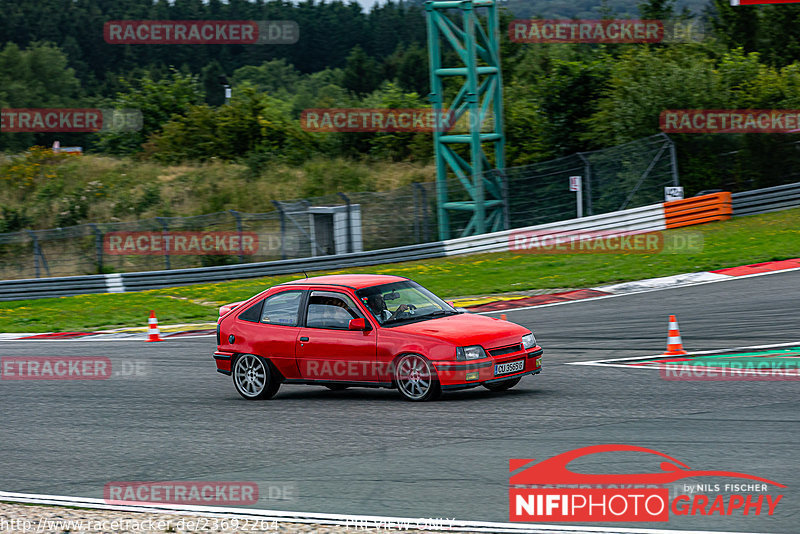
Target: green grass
[(46, 191), (754, 239)]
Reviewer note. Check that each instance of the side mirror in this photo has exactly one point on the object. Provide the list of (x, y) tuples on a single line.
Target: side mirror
[(357, 324)]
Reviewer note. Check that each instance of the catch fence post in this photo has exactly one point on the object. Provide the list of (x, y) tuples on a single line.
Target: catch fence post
[(98, 245), (238, 217), (164, 232), (349, 223)]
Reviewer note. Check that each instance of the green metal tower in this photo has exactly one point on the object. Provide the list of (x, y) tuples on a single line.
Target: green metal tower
[(476, 158)]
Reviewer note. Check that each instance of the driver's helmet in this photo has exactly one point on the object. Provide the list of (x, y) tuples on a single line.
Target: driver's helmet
[(375, 302)]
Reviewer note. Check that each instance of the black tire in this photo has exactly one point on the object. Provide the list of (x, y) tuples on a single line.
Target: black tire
[(336, 387), (254, 377), (416, 378), (503, 385)]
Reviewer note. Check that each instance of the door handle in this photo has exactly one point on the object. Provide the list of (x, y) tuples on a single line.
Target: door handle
[(303, 339)]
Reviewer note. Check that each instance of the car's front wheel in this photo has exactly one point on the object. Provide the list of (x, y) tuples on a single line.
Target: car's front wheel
[(416, 378), (503, 385), (254, 378)]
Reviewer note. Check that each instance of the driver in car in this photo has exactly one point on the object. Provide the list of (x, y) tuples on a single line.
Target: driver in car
[(378, 307)]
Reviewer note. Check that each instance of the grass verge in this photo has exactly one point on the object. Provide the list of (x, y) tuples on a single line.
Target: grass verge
[(746, 240)]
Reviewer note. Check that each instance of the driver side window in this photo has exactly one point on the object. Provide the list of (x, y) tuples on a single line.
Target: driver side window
[(330, 310)]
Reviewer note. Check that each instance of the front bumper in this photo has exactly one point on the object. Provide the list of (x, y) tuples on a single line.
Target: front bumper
[(461, 375)]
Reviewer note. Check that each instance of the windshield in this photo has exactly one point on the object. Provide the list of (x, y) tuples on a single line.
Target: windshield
[(401, 302)]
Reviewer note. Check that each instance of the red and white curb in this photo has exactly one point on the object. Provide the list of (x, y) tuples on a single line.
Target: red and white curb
[(360, 522), (181, 331), (502, 304), (652, 284)]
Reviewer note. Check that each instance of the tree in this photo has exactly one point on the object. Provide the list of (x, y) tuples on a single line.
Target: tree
[(36, 77), (252, 123), (412, 70), (735, 26), (212, 77), (361, 74), (276, 77), (657, 9), (158, 101)]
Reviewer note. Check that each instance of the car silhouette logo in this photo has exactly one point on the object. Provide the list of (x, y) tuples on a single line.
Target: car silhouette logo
[(554, 471)]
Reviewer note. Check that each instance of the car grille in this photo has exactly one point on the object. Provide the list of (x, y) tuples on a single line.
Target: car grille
[(506, 350)]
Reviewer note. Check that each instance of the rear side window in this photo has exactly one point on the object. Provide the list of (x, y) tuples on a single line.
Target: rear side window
[(253, 313), (282, 308)]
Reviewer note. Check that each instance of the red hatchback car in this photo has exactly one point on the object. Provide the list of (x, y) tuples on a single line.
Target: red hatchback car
[(367, 331)]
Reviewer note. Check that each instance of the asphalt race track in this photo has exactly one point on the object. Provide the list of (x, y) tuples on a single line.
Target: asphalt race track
[(369, 452)]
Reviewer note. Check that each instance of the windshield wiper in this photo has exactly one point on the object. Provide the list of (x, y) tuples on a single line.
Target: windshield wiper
[(440, 313), (415, 318)]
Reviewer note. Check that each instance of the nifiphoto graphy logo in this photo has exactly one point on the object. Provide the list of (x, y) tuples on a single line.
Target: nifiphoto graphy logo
[(549, 491)]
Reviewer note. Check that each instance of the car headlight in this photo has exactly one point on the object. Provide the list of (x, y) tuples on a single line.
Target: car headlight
[(528, 341), (474, 352)]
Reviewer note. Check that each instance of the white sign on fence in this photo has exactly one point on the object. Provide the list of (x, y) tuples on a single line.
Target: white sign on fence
[(673, 193), (575, 186)]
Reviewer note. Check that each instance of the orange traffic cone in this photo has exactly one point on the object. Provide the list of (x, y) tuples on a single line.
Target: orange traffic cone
[(674, 343), (504, 317), (153, 334)]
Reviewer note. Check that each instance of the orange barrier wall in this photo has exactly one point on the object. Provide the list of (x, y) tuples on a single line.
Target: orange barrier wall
[(698, 210)]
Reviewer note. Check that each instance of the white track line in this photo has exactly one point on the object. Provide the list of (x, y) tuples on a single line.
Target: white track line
[(357, 521), (729, 279), (604, 363)]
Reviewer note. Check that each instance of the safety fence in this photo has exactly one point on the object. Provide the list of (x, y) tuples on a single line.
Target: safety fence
[(654, 217), (614, 179), (650, 218), (642, 219)]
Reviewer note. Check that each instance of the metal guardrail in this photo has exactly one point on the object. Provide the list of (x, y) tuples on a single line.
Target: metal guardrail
[(776, 198), (636, 219)]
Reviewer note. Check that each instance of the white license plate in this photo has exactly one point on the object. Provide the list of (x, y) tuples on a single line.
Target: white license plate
[(510, 367)]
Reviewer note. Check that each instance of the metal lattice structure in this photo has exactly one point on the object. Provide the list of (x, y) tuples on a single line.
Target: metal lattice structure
[(476, 157)]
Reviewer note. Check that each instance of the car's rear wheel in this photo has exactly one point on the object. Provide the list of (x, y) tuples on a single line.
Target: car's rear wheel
[(416, 378), (254, 377), (503, 385)]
